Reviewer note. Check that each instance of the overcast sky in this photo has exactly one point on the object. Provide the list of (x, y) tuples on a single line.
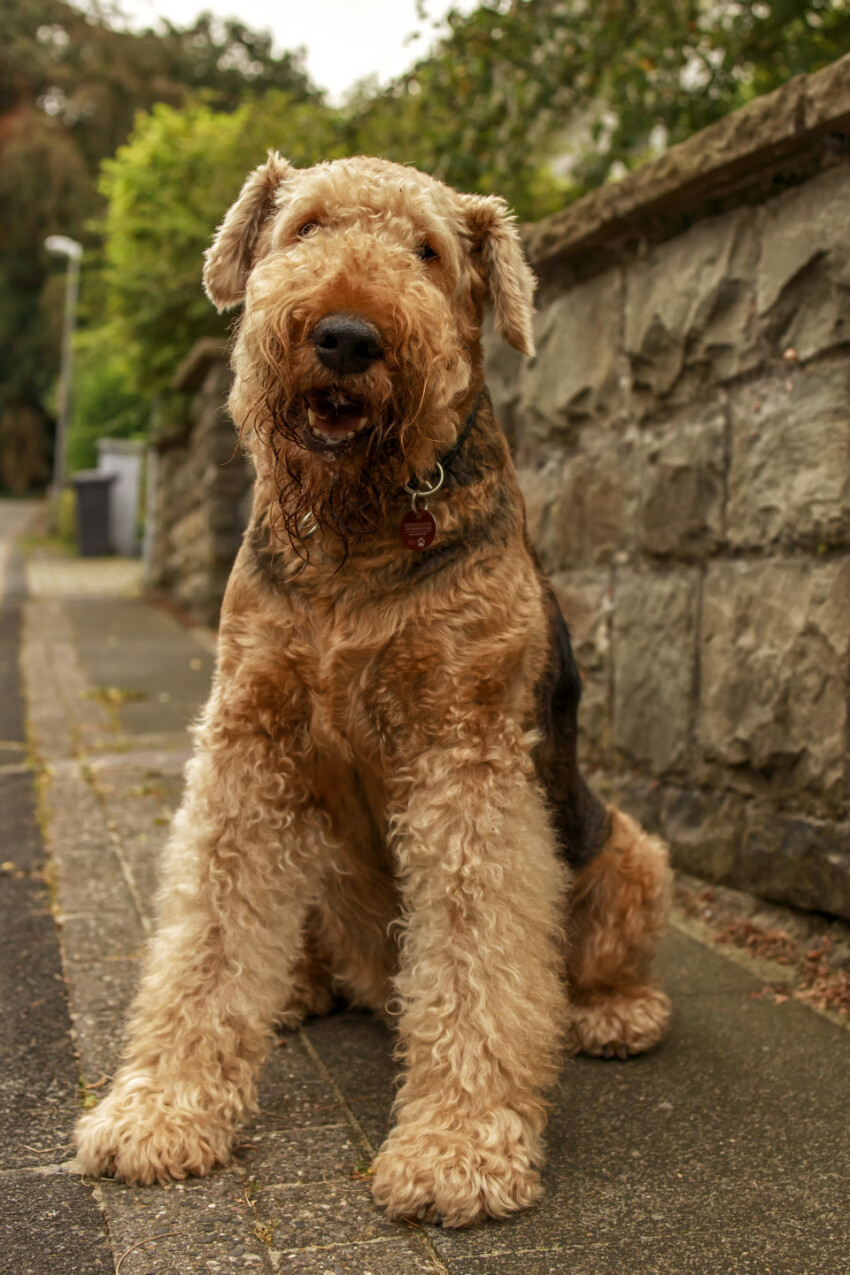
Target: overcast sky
[(345, 39)]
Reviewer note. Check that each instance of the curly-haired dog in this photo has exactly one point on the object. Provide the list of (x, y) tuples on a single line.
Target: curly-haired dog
[(384, 801)]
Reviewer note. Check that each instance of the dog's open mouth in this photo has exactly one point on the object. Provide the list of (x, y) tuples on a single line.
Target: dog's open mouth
[(334, 418)]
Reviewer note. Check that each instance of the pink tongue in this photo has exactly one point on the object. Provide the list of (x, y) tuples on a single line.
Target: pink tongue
[(336, 419)]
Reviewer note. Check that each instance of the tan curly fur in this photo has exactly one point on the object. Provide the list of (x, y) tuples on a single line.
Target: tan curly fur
[(372, 810)]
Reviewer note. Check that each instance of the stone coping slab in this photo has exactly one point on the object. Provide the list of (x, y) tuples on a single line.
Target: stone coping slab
[(786, 135)]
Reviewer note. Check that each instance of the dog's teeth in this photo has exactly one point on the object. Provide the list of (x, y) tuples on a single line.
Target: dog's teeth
[(330, 438)]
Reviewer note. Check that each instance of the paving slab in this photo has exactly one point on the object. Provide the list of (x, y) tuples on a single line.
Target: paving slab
[(146, 654), (737, 1123), (203, 1225), (46, 1227), (50, 1223), (378, 1257)]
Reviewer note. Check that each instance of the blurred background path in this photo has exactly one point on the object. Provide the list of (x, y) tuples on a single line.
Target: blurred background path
[(726, 1149)]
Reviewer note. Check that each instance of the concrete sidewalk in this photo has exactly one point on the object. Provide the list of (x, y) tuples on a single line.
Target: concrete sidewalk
[(725, 1150)]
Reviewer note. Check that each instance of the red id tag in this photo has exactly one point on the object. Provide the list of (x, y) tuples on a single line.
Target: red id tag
[(418, 529)]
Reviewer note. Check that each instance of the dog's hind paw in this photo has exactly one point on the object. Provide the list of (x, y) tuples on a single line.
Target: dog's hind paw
[(141, 1137), (619, 1025), (445, 1177)]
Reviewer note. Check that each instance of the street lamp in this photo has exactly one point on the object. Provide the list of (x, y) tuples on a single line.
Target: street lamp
[(62, 246)]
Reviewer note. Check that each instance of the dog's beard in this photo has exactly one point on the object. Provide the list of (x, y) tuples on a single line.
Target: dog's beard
[(304, 422), (344, 485)]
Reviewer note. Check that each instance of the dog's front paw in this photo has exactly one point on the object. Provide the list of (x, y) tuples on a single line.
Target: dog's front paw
[(142, 1136), (456, 1178)]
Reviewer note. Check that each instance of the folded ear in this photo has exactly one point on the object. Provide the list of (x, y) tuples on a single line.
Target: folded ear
[(509, 277), (229, 260)]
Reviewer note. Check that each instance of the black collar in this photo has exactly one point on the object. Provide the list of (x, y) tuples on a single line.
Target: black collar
[(468, 425)]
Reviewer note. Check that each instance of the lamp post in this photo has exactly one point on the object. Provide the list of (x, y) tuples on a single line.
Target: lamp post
[(62, 246)]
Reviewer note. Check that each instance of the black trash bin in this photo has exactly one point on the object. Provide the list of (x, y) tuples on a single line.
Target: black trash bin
[(92, 489)]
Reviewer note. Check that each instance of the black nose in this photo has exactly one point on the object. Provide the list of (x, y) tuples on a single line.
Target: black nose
[(346, 343)]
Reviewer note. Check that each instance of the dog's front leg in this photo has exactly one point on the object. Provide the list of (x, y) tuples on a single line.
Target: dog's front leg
[(482, 1003), (239, 872)]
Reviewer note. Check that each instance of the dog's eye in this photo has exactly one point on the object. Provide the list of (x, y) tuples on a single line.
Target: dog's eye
[(309, 228), (426, 253)]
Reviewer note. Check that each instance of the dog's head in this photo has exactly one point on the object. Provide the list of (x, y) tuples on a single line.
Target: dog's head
[(358, 352)]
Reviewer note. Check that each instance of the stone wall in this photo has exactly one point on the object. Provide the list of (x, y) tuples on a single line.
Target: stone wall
[(683, 440), (201, 493)]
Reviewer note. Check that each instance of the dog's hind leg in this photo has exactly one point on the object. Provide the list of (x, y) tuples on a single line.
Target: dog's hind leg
[(239, 874), (617, 912), (311, 992), (351, 948), (619, 898)]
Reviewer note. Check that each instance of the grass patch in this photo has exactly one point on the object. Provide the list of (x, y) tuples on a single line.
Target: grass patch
[(114, 696)]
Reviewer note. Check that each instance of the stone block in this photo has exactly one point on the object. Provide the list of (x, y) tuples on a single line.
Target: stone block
[(774, 646), (585, 601), (804, 266), (637, 796), (684, 484), (654, 638), (403, 1256), (803, 862), (748, 844), (292, 1156), (595, 513), (690, 309), (575, 375), (542, 485), (203, 1225), (789, 477), (704, 828), (828, 97), (503, 368)]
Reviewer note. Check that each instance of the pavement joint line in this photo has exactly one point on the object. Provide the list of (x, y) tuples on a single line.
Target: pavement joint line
[(343, 1102), (332, 1244), (277, 1254), (365, 1141), (126, 869), (175, 758), (96, 1188)]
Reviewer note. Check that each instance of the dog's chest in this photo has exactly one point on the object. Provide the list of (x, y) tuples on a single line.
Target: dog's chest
[(340, 663), (376, 679)]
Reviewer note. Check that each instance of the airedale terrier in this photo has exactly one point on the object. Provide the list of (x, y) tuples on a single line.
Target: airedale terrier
[(384, 801)]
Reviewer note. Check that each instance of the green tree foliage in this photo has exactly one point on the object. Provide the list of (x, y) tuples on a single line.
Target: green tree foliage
[(70, 86), (105, 402), (537, 99), (543, 99), (166, 191), (93, 78)]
